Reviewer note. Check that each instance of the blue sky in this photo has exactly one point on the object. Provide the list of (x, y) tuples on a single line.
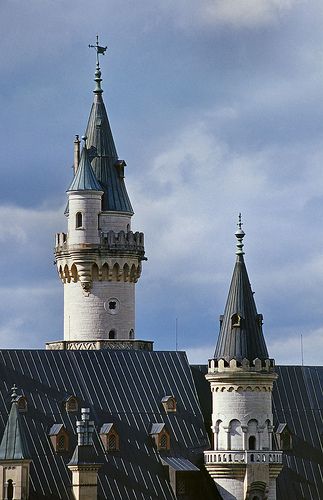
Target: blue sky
[(217, 108)]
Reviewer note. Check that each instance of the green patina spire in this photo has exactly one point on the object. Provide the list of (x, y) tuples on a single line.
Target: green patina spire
[(14, 443), (107, 167)]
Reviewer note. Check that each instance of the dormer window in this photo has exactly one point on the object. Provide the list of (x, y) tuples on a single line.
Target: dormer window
[(236, 320), (284, 437), (161, 436), (163, 441), (22, 404), (71, 404), (59, 438), (169, 404), (110, 437), (79, 220)]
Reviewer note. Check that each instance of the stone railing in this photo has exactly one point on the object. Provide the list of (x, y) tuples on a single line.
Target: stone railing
[(243, 457)]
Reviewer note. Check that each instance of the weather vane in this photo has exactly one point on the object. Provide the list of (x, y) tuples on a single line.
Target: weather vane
[(99, 49)]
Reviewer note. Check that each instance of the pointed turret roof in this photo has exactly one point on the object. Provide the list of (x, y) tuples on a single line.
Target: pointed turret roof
[(85, 179), (103, 155), (14, 444), (241, 333)]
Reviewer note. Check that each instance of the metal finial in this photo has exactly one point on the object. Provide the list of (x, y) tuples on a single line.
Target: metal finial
[(240, 224), (239, 235), (99, 50), (14, 393)]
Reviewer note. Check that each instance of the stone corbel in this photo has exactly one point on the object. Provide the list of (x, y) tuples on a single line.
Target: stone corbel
[(86, 286)]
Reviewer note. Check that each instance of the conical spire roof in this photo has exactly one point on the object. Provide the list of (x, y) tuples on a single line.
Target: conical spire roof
[(85, 179), (14, 444), (241, 333), (103, 155)]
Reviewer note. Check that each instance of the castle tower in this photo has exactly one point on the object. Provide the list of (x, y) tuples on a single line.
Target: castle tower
[(242, 462), (99, 259)]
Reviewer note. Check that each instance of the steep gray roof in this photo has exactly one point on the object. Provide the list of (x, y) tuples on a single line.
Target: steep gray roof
[(241, 326), (120, 387), (85, 179), (14, 445), (104, 158)]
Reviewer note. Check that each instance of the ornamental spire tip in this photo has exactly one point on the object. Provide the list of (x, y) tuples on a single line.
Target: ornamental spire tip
[(99, 50), (239, 235)]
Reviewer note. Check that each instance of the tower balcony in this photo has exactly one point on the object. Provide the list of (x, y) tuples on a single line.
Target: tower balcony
[(243, 457)]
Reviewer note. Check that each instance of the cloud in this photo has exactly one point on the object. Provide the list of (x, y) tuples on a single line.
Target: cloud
[(29, 315), (199, 355), (286, 349), (234, 13)]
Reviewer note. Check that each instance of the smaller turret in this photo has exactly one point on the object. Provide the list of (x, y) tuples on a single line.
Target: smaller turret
[(14, 455), (242, 463), (83, 464)]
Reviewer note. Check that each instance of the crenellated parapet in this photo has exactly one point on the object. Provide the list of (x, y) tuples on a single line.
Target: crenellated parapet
[(255, 365), (121, 243), (117, 258)]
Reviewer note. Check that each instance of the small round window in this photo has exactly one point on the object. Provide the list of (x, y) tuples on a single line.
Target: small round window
[(112, 306)]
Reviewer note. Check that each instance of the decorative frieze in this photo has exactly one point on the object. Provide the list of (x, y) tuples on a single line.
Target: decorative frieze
[(142, 345)]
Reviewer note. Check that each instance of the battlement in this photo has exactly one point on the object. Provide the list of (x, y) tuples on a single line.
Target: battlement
[(256, 365), (121, 242)]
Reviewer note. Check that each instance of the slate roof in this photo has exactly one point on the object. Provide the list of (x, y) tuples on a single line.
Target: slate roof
[(297, 401), (104, 159), (156, 428), (54, 430), (245, 339), (120, 387), (85, 179), (180, 464)]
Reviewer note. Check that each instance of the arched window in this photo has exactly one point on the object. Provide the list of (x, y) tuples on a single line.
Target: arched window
[(112, 443), (79, 220), (181, 490), (131, 334), (252, 443), (112, 334), (163, 442), (235, 320), (61, 442), (10, 490)]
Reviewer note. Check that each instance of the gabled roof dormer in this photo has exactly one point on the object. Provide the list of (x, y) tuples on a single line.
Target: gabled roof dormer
[(161, 436), (169, 404), (59, 438), (110, 437)]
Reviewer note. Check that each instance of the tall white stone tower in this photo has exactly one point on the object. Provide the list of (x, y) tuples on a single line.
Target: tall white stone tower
[(242, 461), (99, 259)]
